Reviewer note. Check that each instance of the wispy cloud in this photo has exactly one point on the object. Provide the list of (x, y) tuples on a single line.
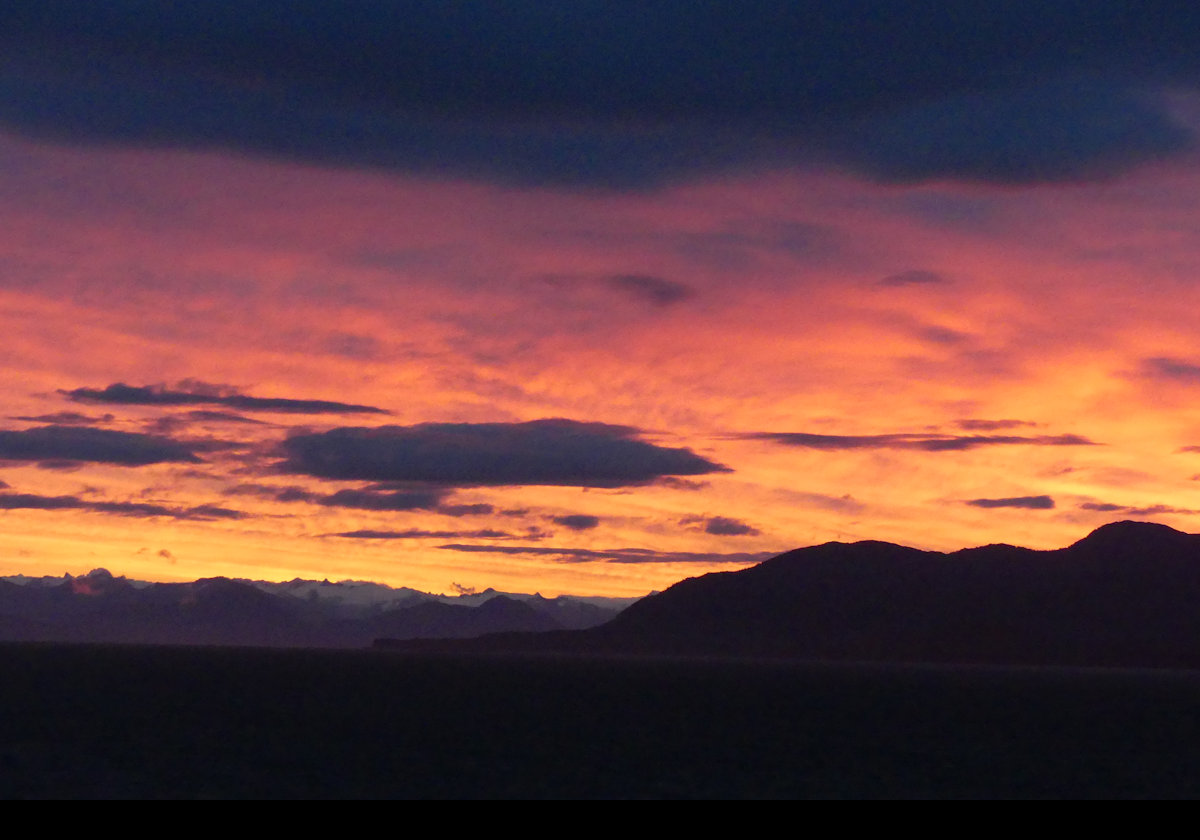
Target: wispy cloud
[(978, 425), (29, 501), (616, 555), (1175, 370), (913, 277), (656, 290), (420, 534), (69, 418), (1135, 510), (1025, 502), (122, 394), (919, 441)]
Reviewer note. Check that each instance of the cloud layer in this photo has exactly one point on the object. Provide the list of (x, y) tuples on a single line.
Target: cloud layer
[(626, 95)]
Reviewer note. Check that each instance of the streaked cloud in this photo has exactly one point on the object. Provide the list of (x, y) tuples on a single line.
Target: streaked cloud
[(69, 418), (419, 534), (1135, 510), (616, 555), (1025, 502), (913, 277), (978, 425), (122, 394), (655, 290), (30, 501), (1175, 370), (919, 441)]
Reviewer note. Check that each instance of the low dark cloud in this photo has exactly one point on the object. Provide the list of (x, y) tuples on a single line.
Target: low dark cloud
[(85, 444), (374, 497), (219, 417), (976, 425), (655, 290), (919, 441), (61, 465), (645, 290), (616, 555), (418, 534), (1175, 370), (540, 452), (1068, 128), (1131, 510), (682, 483), (478, 509), (395, 500), (291, 493), (721, 526), (29, 501), (214, 512), (943, 335), (577, 521), (1025, 502), (619, 95), (69, 418), (122, 394), (915, 277), (350, 346)]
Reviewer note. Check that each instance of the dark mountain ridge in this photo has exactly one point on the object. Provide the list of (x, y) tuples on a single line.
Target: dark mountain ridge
[(1126, 595), (101, 608)]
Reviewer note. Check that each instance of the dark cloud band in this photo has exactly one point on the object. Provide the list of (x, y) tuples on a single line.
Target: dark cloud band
[(1025, 502), (418, 534), (81, 443), (540, 452), (616, 555), (121, 394), (720, 526), (921, 442), (1132, 510), (29, 501), (577, 521)]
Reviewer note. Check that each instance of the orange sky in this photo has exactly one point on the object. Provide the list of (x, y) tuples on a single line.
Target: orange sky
[(982, 364)]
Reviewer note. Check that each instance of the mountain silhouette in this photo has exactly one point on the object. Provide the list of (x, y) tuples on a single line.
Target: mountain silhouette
[(1128, 594), (99, 607)]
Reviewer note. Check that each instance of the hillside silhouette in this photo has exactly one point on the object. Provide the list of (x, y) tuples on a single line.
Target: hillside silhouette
[(1126, 595)]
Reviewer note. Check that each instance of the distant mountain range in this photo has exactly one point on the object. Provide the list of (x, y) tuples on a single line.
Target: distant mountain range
[(1126, 595), (101, 608)]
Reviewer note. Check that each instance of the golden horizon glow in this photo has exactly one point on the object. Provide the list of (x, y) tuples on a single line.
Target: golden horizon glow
[(706, 316)]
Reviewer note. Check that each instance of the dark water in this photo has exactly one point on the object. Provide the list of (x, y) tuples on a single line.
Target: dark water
[(104, 722)]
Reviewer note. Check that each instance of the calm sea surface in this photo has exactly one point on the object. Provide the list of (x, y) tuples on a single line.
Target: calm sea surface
[(146, 722)]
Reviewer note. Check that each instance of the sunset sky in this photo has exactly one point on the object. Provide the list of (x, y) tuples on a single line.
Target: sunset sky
[(586, 297)]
